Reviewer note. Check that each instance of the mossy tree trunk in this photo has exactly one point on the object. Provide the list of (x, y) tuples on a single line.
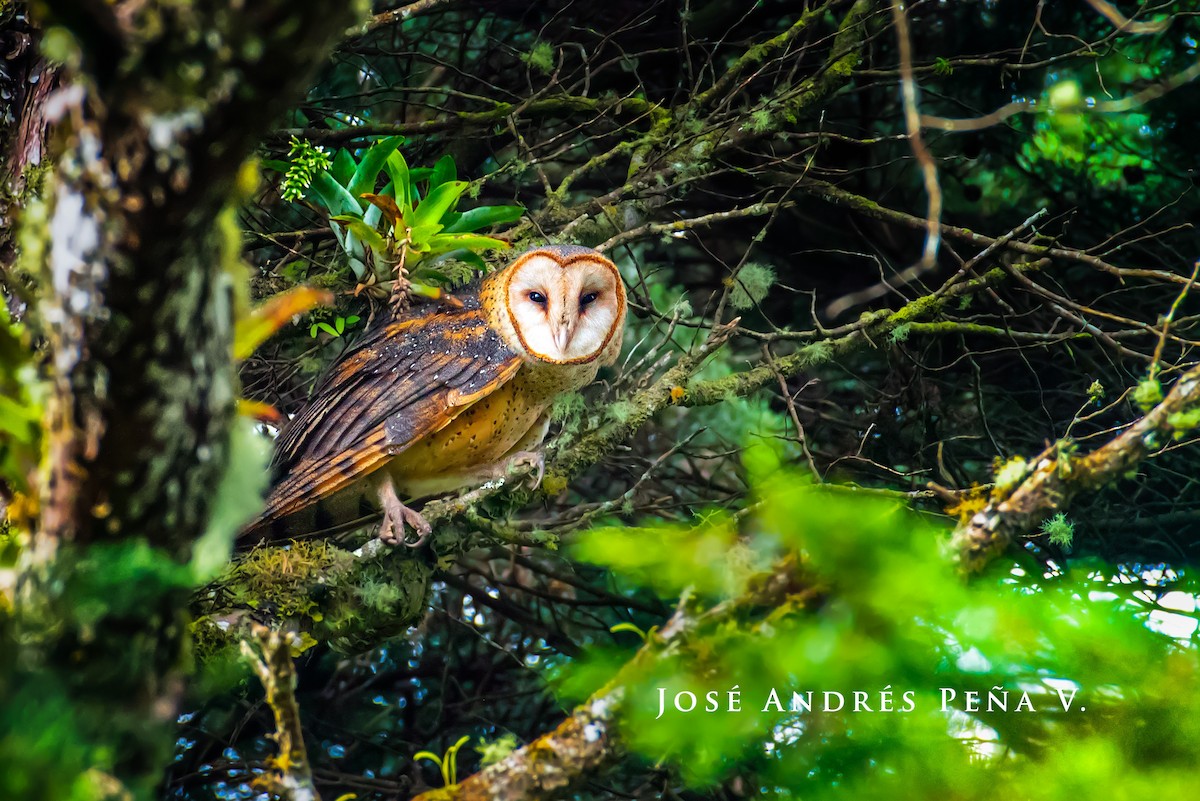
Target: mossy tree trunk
[(161, 105), (26, 81)]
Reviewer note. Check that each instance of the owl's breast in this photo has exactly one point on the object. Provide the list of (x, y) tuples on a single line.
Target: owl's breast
[(479, 435)]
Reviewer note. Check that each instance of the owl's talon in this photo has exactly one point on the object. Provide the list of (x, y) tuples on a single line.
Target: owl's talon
[(529, 459), (397, 518)]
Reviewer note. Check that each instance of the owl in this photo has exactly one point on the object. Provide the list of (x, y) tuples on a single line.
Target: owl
[(444, 397)]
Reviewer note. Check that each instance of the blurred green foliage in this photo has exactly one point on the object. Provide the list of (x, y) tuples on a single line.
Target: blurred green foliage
[(21, 396), (1016, 685)]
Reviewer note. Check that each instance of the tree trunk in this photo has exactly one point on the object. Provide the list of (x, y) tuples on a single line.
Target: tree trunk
[(139, 258)]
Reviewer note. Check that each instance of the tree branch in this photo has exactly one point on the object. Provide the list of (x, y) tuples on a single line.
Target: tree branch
[(1056, 477), (270, 655), (590, 738)]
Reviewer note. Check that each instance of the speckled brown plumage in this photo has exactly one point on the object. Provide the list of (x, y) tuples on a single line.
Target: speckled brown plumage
[(436, 399)]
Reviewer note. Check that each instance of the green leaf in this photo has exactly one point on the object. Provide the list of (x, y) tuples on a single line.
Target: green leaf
[(343, 167), (397, 170), (333, 196), (443, 242), (432, 757), (465, 256), (439, 201), (366, 234), (373, 161), (444, 172), (239, 496), (276, 164), (421, 235), (425, 273), (484, 216), (626, 626)]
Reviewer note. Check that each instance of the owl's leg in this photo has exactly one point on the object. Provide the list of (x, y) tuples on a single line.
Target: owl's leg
[(514, 462), (524, 454), (396, 515), (525, 460)]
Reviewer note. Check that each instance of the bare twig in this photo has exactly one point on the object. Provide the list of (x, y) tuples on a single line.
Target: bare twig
[(912, 121), (1123, 23)]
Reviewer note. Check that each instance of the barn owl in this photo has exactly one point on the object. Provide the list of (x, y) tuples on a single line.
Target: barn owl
[(442, 398)]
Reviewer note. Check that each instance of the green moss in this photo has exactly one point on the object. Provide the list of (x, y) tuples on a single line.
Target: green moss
[(621, 411), (540, 58), (335, 597), (1010, 474), (1148, 394), (1060, 530), (751, 285), (816, 353), (279, 577), (1184, 422)]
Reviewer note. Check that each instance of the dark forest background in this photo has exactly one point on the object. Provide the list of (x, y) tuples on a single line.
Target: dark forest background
[(908, 399)]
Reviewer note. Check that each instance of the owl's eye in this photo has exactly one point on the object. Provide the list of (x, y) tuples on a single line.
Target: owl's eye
[(590, 297), (537, 297)]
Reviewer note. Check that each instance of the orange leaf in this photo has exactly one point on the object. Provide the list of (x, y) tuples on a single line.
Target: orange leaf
[(386, 204), (276, 312), (434, 293), (260, 411)]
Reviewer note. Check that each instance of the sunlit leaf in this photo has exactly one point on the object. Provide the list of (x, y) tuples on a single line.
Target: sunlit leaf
[(273, 314), (439, 201), (433, 293), (474, 242), (366, 234), (397, 170)]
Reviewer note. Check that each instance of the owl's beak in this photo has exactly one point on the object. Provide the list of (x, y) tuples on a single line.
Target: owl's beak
[(562, 335)]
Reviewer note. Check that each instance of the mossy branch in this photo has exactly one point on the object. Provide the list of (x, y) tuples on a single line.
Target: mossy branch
[(555, 105), (871, 330), (269, 653), (161, 105), (1057, 476), (757, 54), (590, 738)]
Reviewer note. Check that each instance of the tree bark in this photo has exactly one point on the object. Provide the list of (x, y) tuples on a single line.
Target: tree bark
[(26, 80), (139, 260)]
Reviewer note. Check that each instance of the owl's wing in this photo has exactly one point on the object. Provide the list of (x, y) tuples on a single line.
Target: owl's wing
[(400, 384)]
